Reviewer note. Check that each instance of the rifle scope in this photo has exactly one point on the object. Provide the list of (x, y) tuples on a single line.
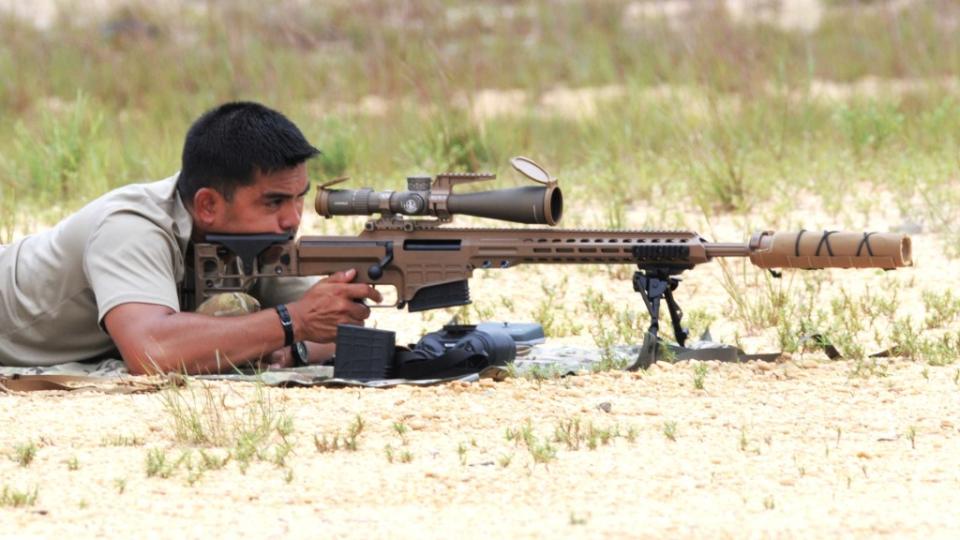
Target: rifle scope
[(541, 204)]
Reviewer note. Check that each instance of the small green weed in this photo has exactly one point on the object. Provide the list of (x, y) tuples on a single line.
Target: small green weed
[(25, 453), (335, 441), (280, 453), (157, 464), (401, 430), (699, 375), (212, 461), (353, 433), (568, 433), (670, 430), (543, 452), (388, 452), (14, 498), (522, 435), (941, 308), (122, 440), (323, 444)]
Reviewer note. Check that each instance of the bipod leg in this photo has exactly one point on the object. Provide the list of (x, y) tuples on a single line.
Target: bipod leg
[(676, 314), (651, 289), (648, 352)]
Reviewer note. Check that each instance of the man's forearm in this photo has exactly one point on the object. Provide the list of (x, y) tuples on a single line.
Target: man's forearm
[(155, 338), (202, 344)]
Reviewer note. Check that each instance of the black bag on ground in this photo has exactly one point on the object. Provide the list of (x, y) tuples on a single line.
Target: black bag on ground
[(456, 350)]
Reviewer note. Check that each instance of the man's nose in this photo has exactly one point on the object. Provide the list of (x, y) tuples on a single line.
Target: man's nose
[(290, 218)]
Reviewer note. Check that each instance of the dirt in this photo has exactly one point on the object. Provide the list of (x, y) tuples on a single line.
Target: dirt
[(796, 449)]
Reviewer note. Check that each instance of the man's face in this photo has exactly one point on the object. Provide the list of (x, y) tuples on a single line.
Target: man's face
[(272, 204)]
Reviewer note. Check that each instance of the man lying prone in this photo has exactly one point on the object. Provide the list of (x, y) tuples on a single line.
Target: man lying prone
[(117, 277)]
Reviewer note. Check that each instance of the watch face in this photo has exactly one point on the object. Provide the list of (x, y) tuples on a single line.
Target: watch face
[(300, 353)]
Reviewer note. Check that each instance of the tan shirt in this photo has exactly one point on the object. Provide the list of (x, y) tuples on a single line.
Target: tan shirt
[(126, 246)]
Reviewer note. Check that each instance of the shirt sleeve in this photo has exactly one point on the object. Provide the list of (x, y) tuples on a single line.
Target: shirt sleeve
[(274, 291), (130, 259)]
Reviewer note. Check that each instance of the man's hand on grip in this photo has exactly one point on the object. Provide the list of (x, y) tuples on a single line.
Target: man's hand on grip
[(331, 302)]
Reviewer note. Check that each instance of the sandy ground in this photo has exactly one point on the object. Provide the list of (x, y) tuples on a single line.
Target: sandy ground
[(798, 450)]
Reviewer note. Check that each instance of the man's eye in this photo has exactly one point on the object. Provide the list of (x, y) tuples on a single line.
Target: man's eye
[(274, 203)]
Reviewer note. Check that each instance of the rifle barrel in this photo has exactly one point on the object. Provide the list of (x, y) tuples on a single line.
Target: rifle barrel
[(727, 249)]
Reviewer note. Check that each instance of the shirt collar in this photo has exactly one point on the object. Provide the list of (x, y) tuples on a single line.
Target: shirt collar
[(182, 220)]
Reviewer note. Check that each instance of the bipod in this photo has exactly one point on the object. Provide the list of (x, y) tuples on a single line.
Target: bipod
[(655, 284)]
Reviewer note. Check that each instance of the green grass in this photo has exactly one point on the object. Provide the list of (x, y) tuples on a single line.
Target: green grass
[(336, 441), (700, 371), (122, 440), (670, 430), (710, 111), (14, 498), (24, 453), (254, 428), (158, 464)]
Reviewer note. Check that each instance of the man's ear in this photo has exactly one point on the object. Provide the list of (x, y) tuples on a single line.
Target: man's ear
[(207, 205)]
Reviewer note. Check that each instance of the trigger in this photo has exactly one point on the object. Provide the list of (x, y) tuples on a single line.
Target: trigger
[(375, 271)]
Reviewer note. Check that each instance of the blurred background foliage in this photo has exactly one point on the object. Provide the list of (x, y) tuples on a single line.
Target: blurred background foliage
[(721, 106)]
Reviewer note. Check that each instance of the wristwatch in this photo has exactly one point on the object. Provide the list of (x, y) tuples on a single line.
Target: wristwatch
[(301, 356)]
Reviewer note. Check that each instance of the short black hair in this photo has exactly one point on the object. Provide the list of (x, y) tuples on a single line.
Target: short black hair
[(226, 146)]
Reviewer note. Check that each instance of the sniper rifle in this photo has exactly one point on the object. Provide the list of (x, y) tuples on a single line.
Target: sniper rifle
[(411, 248)]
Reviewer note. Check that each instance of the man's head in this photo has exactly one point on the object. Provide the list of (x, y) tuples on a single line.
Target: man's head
[(244, 170)]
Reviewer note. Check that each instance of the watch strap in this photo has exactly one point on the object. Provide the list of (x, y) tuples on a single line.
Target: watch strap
[(300, 354), (287, 323)]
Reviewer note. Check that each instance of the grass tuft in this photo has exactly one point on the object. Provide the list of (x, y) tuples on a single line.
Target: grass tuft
[(14, 498), (24, 453)]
